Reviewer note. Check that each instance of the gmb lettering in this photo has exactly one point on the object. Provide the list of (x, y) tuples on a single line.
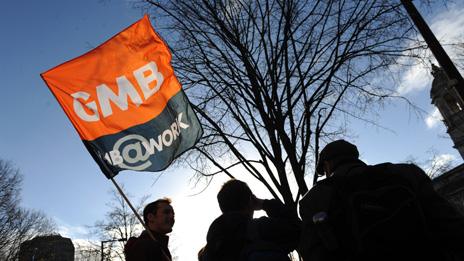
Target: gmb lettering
[(146, 76)]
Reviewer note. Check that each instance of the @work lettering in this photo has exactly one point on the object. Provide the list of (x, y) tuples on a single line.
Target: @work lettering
[(133, 151)]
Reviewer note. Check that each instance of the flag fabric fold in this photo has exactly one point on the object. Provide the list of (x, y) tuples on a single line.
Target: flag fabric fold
[(126, 103)]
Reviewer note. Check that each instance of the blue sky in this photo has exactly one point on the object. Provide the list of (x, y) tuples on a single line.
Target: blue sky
[(60, 177)]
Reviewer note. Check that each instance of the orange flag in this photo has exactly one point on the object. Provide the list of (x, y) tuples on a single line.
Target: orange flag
[(126, 103)]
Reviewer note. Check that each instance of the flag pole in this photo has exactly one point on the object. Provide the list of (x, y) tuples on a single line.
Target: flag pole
[(138, 216), (132, 207)]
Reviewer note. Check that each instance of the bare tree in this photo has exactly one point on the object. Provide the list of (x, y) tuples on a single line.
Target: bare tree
[(459, 49), (273, 79), (17, 224), (436, 164), (119, 225)]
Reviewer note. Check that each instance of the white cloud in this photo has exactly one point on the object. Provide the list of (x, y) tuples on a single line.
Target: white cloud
[(448, 27), (416, 78), (443, 159), (433, 118), (439, 163), (85, 243), (72, 232)]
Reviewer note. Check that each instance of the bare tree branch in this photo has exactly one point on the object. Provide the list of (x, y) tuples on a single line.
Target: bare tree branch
[(17, 224), (272, 79)]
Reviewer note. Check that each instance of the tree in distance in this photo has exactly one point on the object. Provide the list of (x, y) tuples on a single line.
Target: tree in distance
[(17, 224)]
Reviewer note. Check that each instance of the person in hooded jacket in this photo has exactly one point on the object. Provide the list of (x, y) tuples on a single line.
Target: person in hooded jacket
[(376, 212), (159, 218), (235, 235)]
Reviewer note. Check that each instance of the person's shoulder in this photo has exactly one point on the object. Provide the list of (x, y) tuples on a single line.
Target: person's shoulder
[(145, 241), (410, 166), (228, 218), (136, 247), (226, 224), (144, 236), (317, 198), (408, 169), (398, 165), (322, 187), (130, 245), (217, 223)]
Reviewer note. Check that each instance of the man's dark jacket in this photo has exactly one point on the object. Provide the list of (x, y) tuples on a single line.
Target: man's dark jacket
[(444, 223), (144, 248), (232, 233)]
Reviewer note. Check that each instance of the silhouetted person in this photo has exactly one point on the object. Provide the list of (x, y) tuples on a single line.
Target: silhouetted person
[(381, 212), (159, 218), (235, 235)]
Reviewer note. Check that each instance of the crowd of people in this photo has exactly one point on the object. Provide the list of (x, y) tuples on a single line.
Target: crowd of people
[(357, 212)]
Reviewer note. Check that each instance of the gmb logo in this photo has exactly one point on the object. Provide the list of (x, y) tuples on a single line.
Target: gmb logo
[(133, 151)]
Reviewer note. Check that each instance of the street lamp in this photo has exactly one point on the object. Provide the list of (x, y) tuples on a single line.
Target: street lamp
[(111, 240)]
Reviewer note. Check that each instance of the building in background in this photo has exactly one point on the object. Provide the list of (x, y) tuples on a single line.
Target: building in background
[(47, 248), (447, 99)]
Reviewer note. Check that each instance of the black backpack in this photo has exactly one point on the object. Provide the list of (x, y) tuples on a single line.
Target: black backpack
[(371, 213)]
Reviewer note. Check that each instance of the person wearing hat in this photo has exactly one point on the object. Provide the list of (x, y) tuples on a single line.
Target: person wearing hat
[(336, 154), (376, 212)]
